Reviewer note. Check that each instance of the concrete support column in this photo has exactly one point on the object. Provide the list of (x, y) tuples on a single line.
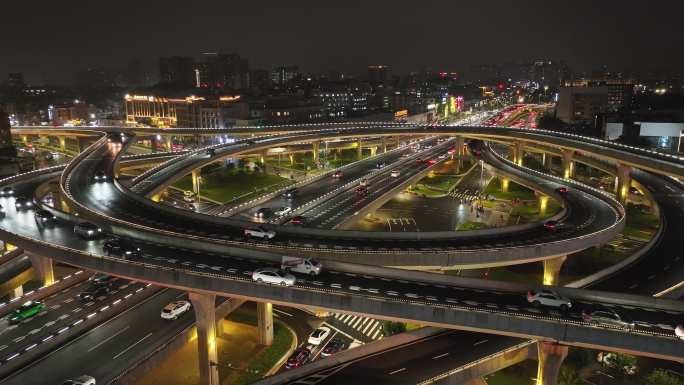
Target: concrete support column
[(359, 149), (552, 269), (316, 149), (551, 356), (518, 153), (623, 182), (62, 143), (196, 174), (17, 292), (43, 267), (374, 150), (384, 144), (460, 146), (291, 156), (265, 323), (546, 160), (504, 184), (568, 164), (205, 314), (543, 203), (476, 381), (168, 143)]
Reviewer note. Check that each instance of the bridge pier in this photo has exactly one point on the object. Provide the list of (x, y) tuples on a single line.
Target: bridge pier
[(476, 381), (374, 150), (543, 203), (568, 164), (265, 323), (518, 153), (196, 175), (552, 269), (62, 143), (43, 267), (17, 292), (384, 144), (359, 150), (316, 148), (168, 142), (623, 180), (504, 184), (546, 160), (205, 314), (460, 144), (551, 356)]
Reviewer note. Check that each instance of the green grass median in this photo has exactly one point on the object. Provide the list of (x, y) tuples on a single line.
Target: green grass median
[(224, 184), (268, 357)]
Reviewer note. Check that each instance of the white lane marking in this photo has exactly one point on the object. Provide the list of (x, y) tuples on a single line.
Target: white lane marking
[(282, 312), (440, 356), (132, 346), (480, 342), (358, 322), (396, 371), (108, 339)]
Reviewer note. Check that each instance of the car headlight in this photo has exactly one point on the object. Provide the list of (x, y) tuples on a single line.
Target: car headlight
[(90, 232), (129, 252)]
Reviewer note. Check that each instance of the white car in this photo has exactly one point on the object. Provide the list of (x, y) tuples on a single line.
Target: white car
[(273, 276), (259, 232), (679, 331), (548, 298), (283, 211), (364, 182), (319, 335), (395, 173), (175, 309), (81, 380)]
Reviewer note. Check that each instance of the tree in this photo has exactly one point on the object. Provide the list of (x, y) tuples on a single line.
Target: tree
[(620, 365), (662, 377), (390, 328), (568, 376)]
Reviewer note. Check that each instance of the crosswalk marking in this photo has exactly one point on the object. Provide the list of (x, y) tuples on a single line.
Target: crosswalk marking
[(364, 327)]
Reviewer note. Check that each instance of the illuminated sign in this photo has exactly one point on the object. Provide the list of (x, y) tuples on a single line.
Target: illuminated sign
[(403, 114)]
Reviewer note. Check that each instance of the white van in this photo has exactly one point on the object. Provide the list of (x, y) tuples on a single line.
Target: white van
[(301, 265)]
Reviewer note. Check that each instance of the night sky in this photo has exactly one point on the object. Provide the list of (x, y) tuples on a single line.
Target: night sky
[(50, 40)]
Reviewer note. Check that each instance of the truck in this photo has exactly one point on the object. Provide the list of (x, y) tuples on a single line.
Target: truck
[(301, 265)]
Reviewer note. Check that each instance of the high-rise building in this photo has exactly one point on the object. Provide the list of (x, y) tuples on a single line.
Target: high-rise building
[(284, 74), (179, 71), (378, 75), (16, 80), (6, 146), (218, 70), (583, 101)]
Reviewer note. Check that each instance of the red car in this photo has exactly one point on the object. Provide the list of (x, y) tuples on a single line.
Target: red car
[(562, 190), (298, 358), (362, 190), (551, 225), (431, 161), (298, 220), (337, 174)]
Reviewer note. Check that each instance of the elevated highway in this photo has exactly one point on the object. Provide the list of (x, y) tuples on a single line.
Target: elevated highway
[(123, 210), (425, 299)]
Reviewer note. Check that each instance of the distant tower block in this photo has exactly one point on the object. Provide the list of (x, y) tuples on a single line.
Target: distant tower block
[(6, 147)]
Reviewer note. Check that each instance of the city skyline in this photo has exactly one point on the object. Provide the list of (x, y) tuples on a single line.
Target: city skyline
[(345, 37)]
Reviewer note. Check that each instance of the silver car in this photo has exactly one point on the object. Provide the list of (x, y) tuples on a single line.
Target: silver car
[(273, 276), (607, 318)]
